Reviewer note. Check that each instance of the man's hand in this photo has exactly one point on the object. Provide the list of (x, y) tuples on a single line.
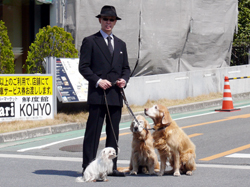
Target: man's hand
[(104, 84), (121, 83)]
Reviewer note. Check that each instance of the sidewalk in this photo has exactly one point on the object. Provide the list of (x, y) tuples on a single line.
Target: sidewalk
[(48, 130)]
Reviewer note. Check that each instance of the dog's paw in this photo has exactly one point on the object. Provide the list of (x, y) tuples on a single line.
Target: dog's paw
[(160, 173), (105, 180), (177, 174), (133, 173), (157, 170), (153, 174), (189, 173), (79, 179)]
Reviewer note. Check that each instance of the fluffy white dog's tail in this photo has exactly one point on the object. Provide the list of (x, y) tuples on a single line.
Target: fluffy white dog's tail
[(80, 179)]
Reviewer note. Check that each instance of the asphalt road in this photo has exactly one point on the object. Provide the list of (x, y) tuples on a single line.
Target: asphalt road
[(222, 148)]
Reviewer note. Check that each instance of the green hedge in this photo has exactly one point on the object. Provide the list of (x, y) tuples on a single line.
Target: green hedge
[(50, 41), (7, 64)]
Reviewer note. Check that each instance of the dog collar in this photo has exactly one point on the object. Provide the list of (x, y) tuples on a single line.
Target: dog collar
[(148, 129), (162, 128)]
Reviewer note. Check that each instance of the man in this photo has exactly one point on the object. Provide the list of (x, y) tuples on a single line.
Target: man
[(104, 63)]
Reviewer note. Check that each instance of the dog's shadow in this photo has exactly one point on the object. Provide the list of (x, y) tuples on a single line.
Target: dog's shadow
[(57, 172), (141, 175)]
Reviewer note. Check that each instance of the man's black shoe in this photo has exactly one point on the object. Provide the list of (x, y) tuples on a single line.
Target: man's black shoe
[(117, 173)]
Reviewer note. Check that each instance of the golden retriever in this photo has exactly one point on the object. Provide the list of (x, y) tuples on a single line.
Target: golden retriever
[(171, 142), (143, 153)]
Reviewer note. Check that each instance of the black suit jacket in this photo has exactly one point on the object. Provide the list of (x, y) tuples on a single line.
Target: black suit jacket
[(96, 62)]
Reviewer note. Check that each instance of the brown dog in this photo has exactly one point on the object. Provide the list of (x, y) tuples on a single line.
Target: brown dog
[(143, 153), (172, 143)]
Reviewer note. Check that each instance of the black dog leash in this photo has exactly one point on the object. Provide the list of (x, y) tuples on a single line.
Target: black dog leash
[(131, 112), (126, 103), (128, 107), (106, 102)]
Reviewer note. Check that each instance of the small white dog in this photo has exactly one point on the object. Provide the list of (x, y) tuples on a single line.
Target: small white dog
[(99, 168)]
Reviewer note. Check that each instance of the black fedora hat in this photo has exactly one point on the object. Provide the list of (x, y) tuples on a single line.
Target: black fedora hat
[(108, 10)]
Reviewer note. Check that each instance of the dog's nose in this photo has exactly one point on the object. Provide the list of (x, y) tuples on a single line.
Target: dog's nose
[(145, 109), (136, 128)]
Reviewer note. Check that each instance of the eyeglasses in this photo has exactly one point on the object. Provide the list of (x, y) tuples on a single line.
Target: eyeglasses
[(106, 19)]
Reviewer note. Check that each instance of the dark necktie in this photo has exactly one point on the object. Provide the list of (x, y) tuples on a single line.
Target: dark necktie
[(111, 50)]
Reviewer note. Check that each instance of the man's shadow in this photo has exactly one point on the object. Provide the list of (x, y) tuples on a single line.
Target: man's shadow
[(58, 172)]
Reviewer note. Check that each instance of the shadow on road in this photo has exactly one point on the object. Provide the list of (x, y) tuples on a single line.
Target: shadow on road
[(57, 172)]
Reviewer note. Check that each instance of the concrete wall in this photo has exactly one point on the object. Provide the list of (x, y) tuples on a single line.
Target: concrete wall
[(186, 84)]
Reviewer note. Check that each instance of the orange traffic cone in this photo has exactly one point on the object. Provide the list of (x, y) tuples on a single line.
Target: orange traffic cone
[(227, 104)]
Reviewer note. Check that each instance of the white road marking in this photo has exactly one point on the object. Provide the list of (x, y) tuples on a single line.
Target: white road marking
[(222, 166), (125, 162), (238, 155), (195, 115), (245, 106), (69, 159), (47, 145), (54, 143)]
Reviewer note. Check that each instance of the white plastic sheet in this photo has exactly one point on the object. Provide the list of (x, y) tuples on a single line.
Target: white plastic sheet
[(165, 36)]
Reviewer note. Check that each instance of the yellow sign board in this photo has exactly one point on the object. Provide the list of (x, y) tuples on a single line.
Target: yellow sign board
[(26, 85)]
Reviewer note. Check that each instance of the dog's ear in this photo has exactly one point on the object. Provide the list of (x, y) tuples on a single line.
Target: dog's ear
[(166, 118), (104, 154), (132, 126), (146, 124)]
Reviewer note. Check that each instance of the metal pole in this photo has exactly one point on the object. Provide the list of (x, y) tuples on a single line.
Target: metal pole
[(53, 72)]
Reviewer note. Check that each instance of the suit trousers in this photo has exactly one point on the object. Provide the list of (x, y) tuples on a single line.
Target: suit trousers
[(97, 114)]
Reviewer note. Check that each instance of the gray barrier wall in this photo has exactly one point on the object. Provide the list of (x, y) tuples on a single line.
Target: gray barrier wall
[(186, 84), (163, 36)]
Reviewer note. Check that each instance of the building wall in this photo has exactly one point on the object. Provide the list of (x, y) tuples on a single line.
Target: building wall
[(23, 20)]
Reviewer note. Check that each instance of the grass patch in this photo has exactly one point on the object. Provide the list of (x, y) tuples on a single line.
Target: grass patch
[(81, 117)]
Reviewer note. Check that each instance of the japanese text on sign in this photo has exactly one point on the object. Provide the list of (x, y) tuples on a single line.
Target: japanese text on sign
[(22, 85)]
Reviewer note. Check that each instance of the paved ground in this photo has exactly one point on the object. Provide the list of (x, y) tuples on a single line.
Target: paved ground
[(222, 149)]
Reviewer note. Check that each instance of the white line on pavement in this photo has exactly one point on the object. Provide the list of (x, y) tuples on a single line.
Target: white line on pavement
[(72, 159), (125, 162), (222, 166), (195, 115), (47, 145), (239, 155)]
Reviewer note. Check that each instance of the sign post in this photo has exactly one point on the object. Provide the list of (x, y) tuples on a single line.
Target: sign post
[(26, 97), (71, 86)]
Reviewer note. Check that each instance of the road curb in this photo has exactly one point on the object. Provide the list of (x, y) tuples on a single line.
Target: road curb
[(40, 131), (48, 130)]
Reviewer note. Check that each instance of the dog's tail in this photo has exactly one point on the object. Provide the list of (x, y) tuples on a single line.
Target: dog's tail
[(80, 179), (188, 160)]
